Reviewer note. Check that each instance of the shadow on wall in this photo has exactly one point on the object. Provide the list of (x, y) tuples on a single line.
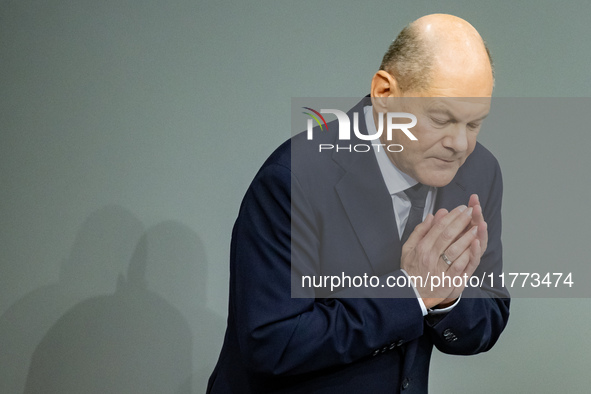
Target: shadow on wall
[(101, 250), (148, 336), (176, 269)]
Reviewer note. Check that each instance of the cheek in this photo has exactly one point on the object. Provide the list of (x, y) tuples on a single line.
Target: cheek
[(411, 152), (471, 145), (424, 147)]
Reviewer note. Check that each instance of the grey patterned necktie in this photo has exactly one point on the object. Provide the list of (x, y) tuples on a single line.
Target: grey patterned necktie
[(417, 196)]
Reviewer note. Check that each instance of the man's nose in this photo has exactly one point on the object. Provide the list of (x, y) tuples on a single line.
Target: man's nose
[(457, 138)]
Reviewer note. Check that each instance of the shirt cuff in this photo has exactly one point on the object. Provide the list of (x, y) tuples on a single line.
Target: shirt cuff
[(440, 311), (419, 299)]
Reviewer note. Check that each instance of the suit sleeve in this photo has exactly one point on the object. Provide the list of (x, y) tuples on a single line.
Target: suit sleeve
[(281, 335), (476, 322)]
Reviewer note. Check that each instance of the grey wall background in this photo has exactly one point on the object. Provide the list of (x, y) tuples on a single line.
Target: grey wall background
[(129, 131)]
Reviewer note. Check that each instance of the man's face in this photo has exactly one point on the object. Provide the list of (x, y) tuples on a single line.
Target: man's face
[(446, 131), (449, 115)]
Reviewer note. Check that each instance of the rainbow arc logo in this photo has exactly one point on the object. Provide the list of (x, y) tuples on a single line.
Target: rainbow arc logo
[(318, 115)]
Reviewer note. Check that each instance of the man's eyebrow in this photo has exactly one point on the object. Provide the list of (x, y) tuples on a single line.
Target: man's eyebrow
[(441, 111), (447, 112), (481, 118)]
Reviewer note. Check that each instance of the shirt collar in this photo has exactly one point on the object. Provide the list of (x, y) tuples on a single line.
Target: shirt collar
[(396, 180)]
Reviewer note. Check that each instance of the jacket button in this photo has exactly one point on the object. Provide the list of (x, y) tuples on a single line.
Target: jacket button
[(405, 383), (376, 352), (449, 335), (384, 349), (400, 343), (392, 345)]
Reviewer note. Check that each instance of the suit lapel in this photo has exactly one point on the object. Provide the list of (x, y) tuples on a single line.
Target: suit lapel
[(368, 203), (451, 196)]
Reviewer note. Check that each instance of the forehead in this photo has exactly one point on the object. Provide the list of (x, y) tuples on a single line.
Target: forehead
[(461, 77), (459, 108)]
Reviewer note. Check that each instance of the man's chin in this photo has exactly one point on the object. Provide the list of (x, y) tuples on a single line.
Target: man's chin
[(438, 178)]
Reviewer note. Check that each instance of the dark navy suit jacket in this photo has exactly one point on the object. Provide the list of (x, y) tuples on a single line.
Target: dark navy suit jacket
[(330, 213)]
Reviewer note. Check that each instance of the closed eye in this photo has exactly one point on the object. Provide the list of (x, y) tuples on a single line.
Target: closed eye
[(440, 122)]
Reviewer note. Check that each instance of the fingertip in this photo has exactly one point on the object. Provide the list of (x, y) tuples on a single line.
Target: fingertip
[(440, 213), (425, 225), (476, 247)]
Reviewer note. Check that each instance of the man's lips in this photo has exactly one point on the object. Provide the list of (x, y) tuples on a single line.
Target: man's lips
[(444, 160)]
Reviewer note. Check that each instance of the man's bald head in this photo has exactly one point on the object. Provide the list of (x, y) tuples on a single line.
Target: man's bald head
[(433, 44)]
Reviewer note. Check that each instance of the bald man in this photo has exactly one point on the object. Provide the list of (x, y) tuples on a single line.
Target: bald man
[(429, 210)]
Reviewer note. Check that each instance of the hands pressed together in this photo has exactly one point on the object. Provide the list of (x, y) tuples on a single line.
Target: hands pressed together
[(461, 234)]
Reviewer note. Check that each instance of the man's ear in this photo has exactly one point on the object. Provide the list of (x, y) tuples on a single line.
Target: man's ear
[(383, 85)]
